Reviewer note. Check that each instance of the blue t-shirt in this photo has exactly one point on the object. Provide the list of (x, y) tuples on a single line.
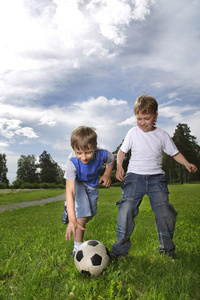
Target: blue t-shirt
[(88, 173)]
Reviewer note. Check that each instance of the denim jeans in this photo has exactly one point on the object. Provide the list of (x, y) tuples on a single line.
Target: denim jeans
[(134, 188)]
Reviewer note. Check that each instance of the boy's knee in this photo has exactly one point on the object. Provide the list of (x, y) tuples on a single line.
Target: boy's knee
[(126, 207), (167, 212)]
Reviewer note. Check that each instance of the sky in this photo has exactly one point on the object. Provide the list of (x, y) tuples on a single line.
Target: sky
[(66, 63)]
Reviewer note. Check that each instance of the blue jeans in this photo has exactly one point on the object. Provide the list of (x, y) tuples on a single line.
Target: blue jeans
[(134, 188)]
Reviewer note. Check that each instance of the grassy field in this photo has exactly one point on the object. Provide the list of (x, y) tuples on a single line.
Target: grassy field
[(36, 263), (18, 196)]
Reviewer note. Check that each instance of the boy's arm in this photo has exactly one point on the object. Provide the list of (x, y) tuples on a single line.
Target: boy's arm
[(105, 179), (183, 161), (120, 170), (70, 196)]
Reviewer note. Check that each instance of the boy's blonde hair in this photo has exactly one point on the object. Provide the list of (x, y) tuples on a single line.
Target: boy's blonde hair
[(146, 105), (82, 137)]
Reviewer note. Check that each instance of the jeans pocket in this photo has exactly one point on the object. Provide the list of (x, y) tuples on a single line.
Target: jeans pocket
[(121, 200), (128, 190), (163, 184)]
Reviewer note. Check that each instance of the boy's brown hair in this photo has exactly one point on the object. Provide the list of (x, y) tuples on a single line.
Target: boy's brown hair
[(146, 105), (82, 137)]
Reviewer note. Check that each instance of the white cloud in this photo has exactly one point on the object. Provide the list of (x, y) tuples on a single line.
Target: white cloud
[(26, 132), (130, 121), (11, 128), (114, 16), (141, 9), (58, 56), (70, 22), (177, 113), (168, 103), (3, 145), (102, 113), (48, 120), (172, 95), (158, 84)]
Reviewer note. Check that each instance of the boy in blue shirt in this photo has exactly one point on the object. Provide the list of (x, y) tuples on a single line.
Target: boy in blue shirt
[(145, 176), (82, 179)]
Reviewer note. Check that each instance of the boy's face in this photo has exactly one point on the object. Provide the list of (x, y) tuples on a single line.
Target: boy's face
[(84, 155), (146, 121)]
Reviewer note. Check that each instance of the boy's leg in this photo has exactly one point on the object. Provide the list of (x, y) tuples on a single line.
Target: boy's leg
[(85, 209), (78, 239), (80, 233), (133, 190), (165, 214), (65, 219), (125, 227)]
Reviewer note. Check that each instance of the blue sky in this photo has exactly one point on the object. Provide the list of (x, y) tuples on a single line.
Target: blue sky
[(84, 62)]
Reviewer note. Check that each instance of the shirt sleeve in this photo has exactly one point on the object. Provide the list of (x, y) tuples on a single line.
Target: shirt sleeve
[(70, 172), (169, 146), (126, 145), (110, 158)]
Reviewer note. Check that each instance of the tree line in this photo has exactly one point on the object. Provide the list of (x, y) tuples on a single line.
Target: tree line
[(47, 173), (30, 174)]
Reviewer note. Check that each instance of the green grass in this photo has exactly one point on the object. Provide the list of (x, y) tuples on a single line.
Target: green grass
[(17, 196), (36, 263)]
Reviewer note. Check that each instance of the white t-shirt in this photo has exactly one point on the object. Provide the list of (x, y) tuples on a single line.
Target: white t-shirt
[(146, 150)]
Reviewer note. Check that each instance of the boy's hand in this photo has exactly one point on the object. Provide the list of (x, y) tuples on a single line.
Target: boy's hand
[(120, 174), (105, 180), (71, 228), (191, 168)]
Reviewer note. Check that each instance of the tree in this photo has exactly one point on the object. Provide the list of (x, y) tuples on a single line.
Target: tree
[(126, 158), (3, 169), (27, 168), (187, 145), (171, 169), (50, 171)]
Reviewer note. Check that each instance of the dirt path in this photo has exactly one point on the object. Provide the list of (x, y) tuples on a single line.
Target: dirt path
[(32, 203)]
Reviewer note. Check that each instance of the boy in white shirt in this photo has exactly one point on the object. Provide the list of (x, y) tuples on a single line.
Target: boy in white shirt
[(145, 176)]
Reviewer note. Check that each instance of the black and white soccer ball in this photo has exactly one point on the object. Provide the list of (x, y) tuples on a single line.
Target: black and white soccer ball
[(91, 257)]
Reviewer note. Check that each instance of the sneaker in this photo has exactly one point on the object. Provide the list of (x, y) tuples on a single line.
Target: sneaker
[(173, 256), (114, 256), (170, 254), (73, 253), (65, 219)]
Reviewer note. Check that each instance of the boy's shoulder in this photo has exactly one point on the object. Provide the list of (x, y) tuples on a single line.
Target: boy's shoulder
[(71, 155), (99, 152), (133, 130), (135, 133), (136, 130)]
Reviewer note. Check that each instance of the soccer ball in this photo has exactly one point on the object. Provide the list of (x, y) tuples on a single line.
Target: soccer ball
[(91, 257)]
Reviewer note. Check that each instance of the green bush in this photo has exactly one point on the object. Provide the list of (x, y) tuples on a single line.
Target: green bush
[(20, 184), (3, 185)]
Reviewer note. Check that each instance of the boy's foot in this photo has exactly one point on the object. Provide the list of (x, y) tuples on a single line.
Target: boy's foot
[(114, 256), (73, 253), (65, 219), (173, 256), (170, 254)]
